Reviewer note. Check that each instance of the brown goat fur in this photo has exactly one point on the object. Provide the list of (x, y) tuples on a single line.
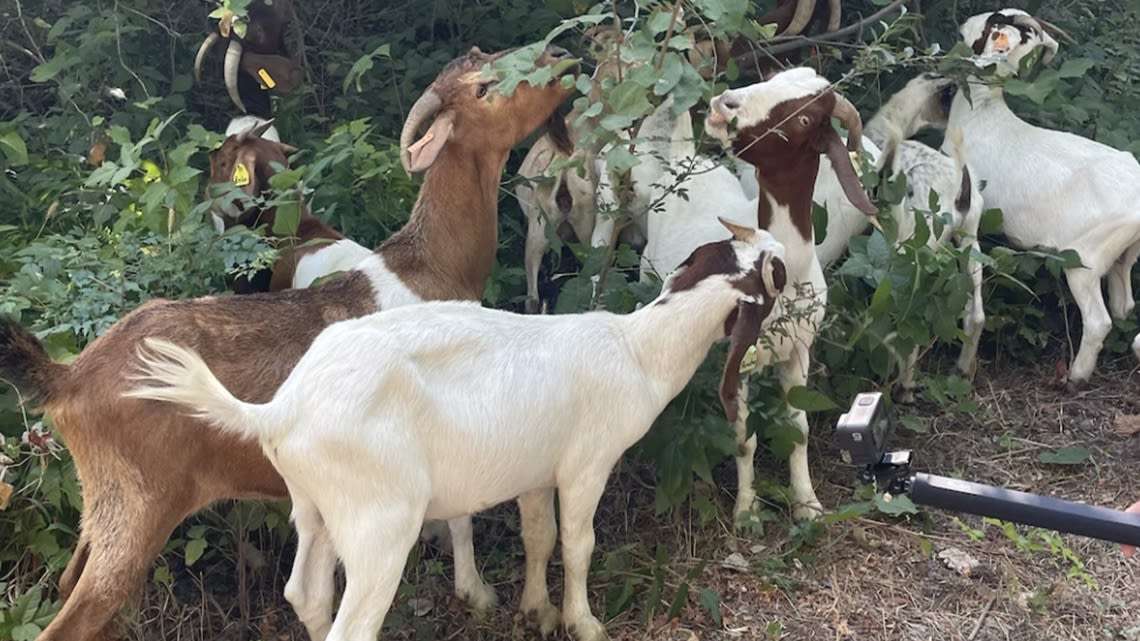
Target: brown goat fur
[(145, 466), (259, 159)]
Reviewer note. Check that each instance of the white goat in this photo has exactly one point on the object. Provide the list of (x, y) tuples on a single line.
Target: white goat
[(366, 427), (922, 103), (787, 166), (1055, 189)]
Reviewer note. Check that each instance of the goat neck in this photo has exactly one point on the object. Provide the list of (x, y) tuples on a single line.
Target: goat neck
[(723, 288), (447, 248)]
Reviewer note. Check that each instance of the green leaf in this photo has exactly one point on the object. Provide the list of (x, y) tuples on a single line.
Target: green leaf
[(26, 632), (1066, 456), (195, 548), (914, 424), (711, 602), (809, 400), (881, 297), (14, 148), (896, 505), (1075, 67)]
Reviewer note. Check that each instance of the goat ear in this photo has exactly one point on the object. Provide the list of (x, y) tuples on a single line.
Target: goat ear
[(744, 324), (841, 163), (424, 151)]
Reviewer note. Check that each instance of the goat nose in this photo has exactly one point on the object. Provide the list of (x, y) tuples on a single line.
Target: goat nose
[(556, 52)]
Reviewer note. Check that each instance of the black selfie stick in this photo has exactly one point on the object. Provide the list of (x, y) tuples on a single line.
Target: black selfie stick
[(863, 432), (1022, 507)]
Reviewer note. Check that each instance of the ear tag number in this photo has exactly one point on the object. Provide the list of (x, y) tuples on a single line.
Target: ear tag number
[(241, 176), (267, 80), (748, 362)]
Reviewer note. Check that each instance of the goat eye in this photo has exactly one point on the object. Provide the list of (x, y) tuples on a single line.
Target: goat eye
[(804, 120), (482, 90)]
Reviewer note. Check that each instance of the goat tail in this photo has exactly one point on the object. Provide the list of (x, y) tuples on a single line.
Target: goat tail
[(179, 375), (25, 364)]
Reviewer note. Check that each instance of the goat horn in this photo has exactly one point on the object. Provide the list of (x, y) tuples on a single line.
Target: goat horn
[(255, 130), (834, 15), (849, 116), (205, 46), (425, 107), (1057, 31), (800, 19), (233, 61), (1051, 45)]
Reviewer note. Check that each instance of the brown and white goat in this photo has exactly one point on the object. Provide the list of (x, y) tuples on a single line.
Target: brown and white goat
[(144, 468), (312, 251), (260, 55)]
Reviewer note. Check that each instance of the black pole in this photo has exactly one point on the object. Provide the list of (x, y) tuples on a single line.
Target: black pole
[(1021, 507)]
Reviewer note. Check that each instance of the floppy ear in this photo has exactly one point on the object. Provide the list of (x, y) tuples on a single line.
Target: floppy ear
[(745, 322), (424, 151), (829, 143)]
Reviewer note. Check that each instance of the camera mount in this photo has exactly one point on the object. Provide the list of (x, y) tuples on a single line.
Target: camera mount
[(863, 432)]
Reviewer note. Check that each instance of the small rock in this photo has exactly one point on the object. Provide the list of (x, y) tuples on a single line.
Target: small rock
[(757, 549), (420, 606), (958, 561), (736, 561)]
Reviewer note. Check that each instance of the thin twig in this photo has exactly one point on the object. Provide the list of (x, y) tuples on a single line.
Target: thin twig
[(981, 618), (782, 44)]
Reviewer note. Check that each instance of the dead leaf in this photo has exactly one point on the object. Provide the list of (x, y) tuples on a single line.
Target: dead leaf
[(958, 561), (1126, 424), (98, 153), (225, 22), (5, 494)]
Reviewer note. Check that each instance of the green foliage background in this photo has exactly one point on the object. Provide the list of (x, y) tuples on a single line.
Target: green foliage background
[(81, 245)]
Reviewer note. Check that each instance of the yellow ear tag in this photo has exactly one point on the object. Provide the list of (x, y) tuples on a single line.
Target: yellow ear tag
[(266, 79), (241, 175), (855, 162), (748, 362)]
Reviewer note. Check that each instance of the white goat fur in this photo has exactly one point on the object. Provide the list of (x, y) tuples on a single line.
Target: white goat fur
[(679, 225), (365, 428), (910, 110), (1055, 189)]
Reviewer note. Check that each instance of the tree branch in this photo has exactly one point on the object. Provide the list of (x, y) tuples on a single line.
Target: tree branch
[(782, 44)]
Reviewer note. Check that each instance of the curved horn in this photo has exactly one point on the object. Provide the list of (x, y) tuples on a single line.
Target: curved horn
[(209, 42), (849, 116), (800, 18), (1051, 45), (425, 107), (1057, 31), (255, 131), (834, 15), (233, 61)]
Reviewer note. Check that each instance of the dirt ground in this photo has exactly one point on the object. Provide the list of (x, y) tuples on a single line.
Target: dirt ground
[(871, 577)]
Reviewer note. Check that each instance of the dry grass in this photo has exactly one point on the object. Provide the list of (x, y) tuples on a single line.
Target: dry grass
[(865, 578)]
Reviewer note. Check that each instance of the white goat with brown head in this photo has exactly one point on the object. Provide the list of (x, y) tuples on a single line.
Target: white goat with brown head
[(570, 394)]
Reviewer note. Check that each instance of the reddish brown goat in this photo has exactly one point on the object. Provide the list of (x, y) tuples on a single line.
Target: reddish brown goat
[(313, 250), (144, 465)]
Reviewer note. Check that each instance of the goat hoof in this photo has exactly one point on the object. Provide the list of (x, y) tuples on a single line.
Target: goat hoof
[(588, 629), (480, 598), (808, 512), (1074, 386), (545, 618)]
